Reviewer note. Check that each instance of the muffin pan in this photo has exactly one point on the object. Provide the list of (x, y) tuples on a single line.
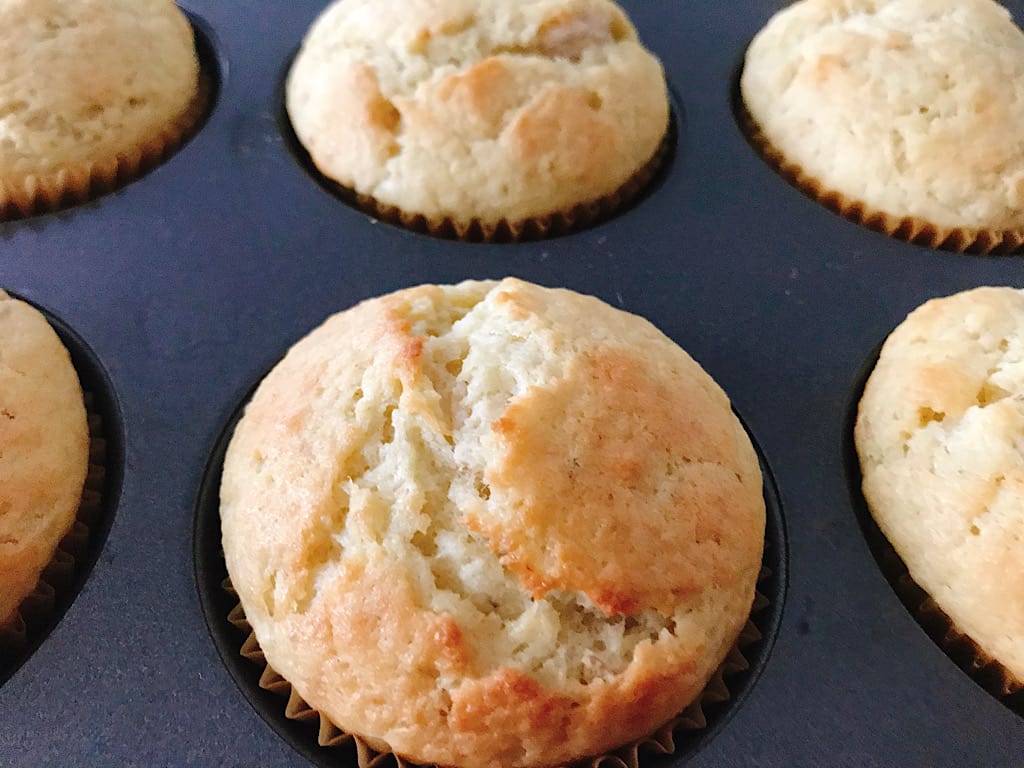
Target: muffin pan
[(189, 283)]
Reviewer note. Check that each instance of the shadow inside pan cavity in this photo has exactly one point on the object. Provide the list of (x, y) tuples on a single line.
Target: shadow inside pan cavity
[(79, 552), (212, 68), (301, 728)]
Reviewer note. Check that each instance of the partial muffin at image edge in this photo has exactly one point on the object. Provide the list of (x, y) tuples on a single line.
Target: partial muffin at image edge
[(487, 120), (492, 524), (44, 456), (93, 93), (938, 438), (906, 116)]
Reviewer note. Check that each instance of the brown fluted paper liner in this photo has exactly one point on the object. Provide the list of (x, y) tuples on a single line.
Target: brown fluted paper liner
[(368, 755), (907, 228), (36, 195), (965, 653), (59, 574), (580, 216)]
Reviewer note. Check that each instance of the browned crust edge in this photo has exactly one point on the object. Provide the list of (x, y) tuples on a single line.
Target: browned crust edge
[(37, 195), (58, 576), (580, 216), (661, 742), (964, 240)]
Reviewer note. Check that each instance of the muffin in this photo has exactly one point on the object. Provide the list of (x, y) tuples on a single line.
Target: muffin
[(44, 450), (480, 119), (939, 438), (92, 93), (492, 524), (905, 115)]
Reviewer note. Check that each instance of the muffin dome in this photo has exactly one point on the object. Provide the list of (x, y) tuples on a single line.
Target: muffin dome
[(44, 449), (492, 524), (483, 111), (909, 109), (90, 91)]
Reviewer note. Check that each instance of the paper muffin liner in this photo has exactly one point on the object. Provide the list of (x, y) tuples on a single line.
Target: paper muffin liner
[(578, 217), (631, 755), (980, 666), (59, 575), (910, 229), (35, 195)]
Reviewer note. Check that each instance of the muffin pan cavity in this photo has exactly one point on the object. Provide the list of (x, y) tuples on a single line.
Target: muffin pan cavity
[(584, 216), (81, 548), (940, 628), (292, 719)]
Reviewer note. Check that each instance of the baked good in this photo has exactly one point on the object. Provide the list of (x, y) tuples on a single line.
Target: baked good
[(479, 114), (492, 524), (939, 438), (91, 93), (44, 449), (907, 115)]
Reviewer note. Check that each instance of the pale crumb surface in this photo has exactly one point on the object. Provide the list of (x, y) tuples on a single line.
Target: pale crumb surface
[(489, 110), (912, 107), (44, 449), (940, 434), (83, 81), (492, 523)]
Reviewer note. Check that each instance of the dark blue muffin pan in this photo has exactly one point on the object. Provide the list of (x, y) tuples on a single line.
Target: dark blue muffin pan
[(178, 292)]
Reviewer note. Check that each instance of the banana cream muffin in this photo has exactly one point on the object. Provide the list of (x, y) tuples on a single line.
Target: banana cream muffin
[(492, 524), (939, 434), (91, 93), (479, 113), (907, 115), (44, 449)]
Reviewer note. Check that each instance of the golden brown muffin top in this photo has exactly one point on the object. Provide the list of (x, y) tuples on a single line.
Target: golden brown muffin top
[(492, 523)]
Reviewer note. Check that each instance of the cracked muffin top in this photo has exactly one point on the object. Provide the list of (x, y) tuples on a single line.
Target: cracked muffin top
[(44, 449), (482, 110), (939, 438), (492, 524), (912, 107)]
